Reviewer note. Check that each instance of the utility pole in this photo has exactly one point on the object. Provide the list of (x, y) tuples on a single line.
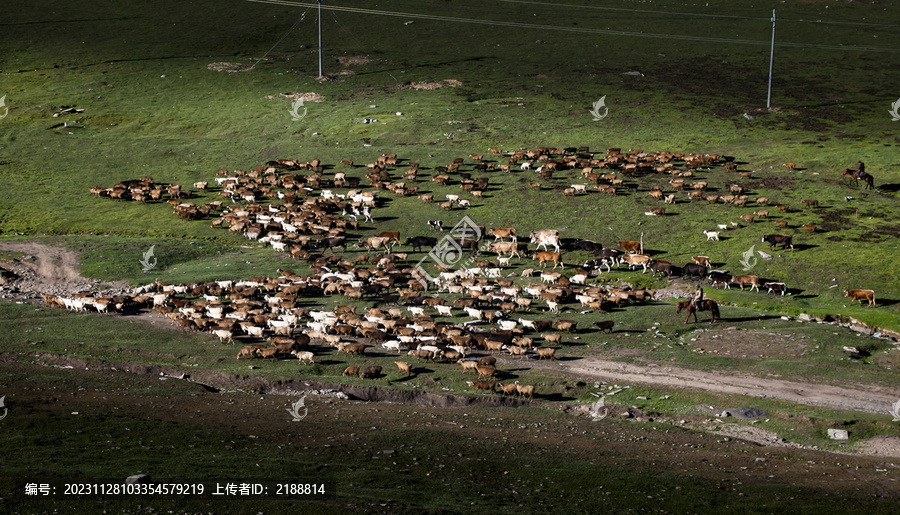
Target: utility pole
[(320, 37), (771, 60)]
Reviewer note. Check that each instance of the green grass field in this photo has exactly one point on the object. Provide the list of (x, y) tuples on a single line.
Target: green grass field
[(158, 101)]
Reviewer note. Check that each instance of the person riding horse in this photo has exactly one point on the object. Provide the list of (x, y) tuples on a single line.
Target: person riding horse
[(860, 169), (697, 299)]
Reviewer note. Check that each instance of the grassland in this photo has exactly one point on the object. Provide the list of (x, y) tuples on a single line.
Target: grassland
[(153, 106)]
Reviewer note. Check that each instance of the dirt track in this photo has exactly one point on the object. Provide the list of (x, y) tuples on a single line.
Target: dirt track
[(801, 393)]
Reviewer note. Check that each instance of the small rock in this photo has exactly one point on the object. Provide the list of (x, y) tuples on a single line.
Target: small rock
[(838, 434)]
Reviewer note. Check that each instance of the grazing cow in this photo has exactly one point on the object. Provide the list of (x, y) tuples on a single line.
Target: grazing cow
[(545, 237), (741, 280), (719, 276), (350, 371), (774, 287), (504, 232), (436, 224), (694, 269), (779, 239), (859, 295), (589, 246), (634, 260), (391, 235), (664, 268), (810, 203), (702, 260), (417, 242), (555, 257), (629, 246), (332, 242), (376, 242), (503, 247)]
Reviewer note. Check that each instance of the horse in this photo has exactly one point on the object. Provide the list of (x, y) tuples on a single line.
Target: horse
[(856, 175), (706, 305)]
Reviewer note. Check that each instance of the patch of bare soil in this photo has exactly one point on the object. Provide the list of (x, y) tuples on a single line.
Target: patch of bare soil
[(306, 97), (44, 269), (747, 344), (880, 445), (228, 67), (353, 60), (448, 83)]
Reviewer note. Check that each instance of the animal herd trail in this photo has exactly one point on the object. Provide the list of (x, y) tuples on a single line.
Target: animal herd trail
[(872, 400)]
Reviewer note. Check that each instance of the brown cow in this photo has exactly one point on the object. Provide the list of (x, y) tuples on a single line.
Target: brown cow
[(548, 256), (629, 246), (810, 203), (741, 280), (505, 232), (859, 295), (391, 235)]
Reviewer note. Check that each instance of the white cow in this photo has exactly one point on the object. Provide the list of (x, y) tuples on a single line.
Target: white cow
[(546, 237)]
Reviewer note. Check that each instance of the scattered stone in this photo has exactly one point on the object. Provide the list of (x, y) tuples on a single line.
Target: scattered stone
[(838, 434)]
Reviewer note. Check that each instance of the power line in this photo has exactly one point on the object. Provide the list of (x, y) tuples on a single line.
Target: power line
[(294, 26), (498, 23), (704, 15)]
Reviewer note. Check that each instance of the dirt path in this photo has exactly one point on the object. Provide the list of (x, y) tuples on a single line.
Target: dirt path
[(46, 269), (872, 400)]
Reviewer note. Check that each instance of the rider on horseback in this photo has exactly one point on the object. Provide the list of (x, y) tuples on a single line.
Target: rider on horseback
[(697, 299)]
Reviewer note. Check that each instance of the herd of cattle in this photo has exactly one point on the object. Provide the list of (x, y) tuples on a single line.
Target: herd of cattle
[(307, 218)]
